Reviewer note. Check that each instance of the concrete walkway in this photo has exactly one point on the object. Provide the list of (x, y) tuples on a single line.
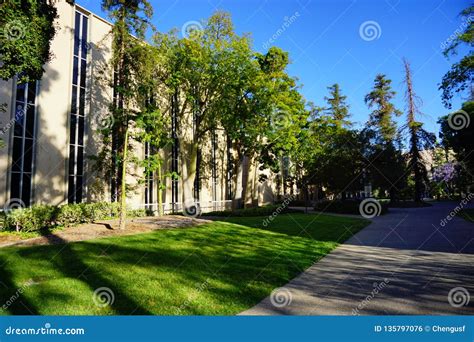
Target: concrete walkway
[(403, 263)]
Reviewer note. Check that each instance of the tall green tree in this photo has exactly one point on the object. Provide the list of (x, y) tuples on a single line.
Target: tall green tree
[(386, 162), (286, 108), (131, 22), (418, 137), (384, 110), (334, 155), (197, 72), (152, 121), (337, 109), (263, 116), (460, 77)]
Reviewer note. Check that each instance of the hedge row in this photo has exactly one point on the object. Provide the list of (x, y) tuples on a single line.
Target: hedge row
[(40, 217)]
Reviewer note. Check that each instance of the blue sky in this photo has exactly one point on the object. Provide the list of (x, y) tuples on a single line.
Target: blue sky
[(326, 45)]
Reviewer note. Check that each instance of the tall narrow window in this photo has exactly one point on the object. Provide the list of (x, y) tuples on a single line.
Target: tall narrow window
[(23, 142), (148, 180), (78, 107), (114, 186), (174, 151), (229, 168), (214, 168)]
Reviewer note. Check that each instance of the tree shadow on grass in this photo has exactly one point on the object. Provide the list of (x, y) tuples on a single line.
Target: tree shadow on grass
[(236, 267), (12, 295), (70, 264)]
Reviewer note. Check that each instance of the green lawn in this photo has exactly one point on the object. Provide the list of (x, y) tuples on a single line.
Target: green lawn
[(220, 268), (467, 214)]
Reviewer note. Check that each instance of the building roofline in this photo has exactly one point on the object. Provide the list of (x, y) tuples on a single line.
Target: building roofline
[(93, 14)]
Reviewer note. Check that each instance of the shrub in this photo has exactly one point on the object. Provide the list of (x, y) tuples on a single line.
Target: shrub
[(99, 211), (3, 219), (70, 214), (43, 216), (31, 219), (137, 213)]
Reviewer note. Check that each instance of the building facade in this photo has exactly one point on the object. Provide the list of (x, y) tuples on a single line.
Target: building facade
[(49, 131)]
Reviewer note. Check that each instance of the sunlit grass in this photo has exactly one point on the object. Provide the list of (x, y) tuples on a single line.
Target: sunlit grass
[(218, 268)]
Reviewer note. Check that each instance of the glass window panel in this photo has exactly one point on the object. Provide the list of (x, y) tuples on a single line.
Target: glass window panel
[(19, 119), (150, 189), (83, 72), (28, 155), (74, 100), (78, 189), (30, 122), (15, 185), (80, 138), (84, 36), (72, 159), (26, 189), (31, 92), (77, 39), (17, 154), (72, 130), (82, 101), (75, 70), (20, 92), (80, 161), (70, 190)]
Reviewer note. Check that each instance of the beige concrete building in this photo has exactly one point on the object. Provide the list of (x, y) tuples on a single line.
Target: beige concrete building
[(49, 132)]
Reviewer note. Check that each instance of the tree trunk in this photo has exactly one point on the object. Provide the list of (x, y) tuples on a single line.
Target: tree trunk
[(160, 192), (255, 192), (245, 179), (123, 194), (192, 149)]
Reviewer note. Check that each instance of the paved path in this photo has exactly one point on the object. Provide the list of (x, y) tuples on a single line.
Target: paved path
[(403, 263)]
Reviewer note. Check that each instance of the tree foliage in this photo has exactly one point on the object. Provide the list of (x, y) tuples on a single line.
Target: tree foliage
[(27, 28), (460, 77)]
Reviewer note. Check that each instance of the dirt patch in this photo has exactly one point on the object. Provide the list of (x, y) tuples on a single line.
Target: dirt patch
[(103, 229)]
